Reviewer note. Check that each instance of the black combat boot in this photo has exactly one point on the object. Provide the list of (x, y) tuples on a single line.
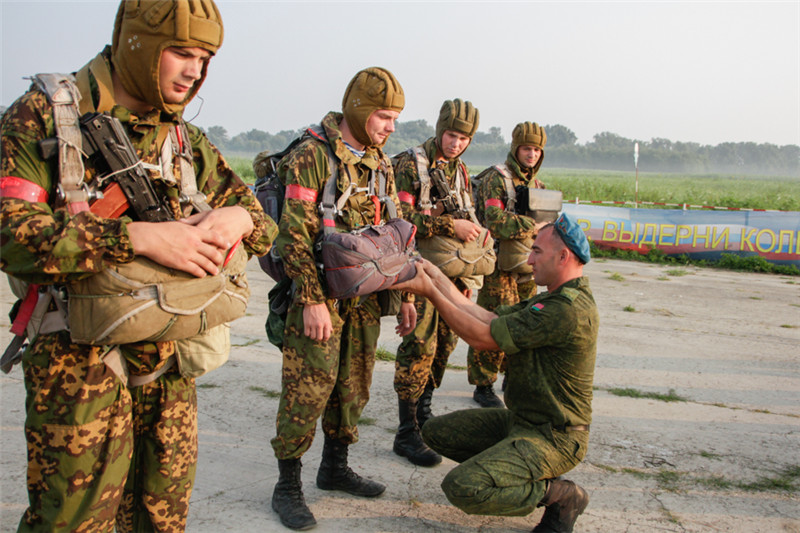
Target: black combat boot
[(287, 498), (563, 501), (485, 396), (408, 442), (424, 403), (334, 474)]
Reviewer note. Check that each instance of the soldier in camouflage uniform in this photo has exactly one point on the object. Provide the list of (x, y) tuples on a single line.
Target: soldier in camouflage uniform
[(422, 356), (329, 345), (102, 455), (505, 288), (511, 459)]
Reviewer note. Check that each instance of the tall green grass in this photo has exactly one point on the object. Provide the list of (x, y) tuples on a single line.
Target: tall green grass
[(751, 192)]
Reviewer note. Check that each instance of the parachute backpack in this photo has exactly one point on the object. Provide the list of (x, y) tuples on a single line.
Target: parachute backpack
[(136, 301), (270, 192)]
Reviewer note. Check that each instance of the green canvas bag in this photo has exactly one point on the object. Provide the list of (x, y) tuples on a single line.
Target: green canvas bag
[(144, 301), (457, 258)]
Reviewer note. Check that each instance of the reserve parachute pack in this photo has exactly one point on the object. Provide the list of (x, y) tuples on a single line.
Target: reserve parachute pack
[(543, 205), (454, 257), (137, 301)]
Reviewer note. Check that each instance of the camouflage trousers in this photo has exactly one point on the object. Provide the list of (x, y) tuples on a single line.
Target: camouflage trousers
[(500, 288), (329, 379), (423, 353), (101, 455), (504, 461)]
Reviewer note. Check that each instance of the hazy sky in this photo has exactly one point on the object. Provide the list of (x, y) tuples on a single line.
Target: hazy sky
[(706, 72)]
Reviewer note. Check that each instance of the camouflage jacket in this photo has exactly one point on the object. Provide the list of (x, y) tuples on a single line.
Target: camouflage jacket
[(304, 171), (551, 344), (40, 242), (408, 187), (501, 223)]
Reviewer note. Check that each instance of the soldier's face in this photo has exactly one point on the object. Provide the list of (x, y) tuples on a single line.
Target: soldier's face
[(528, 155), (179, 70), (380, 125), (453, 144), (545, 256)]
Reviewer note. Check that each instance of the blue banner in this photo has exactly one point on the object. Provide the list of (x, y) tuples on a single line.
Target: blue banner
[(773, 235)]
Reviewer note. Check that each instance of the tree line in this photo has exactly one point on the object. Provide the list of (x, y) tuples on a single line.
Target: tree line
[(606, 151)]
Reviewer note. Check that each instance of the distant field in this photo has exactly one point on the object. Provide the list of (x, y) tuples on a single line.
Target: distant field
[(722, 190), (753, 192)]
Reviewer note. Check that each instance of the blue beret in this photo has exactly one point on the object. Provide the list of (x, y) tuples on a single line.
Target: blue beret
[(572, 235)]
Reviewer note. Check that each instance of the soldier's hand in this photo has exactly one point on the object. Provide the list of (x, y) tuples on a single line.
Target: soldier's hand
[(232, 222), (188, 248), (419, 284), (466, 230), (406, 319), (317, 324)]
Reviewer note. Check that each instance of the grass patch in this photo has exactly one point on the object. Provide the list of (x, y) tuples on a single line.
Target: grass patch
[(677, 272), (366, 421), (207, 386), (784, 480), (264, 391), (629, 309), (382, 354), (456, 367), (788, 326), (709, 455), (616, 276), (246, 343), (671, 396), (662, 278)]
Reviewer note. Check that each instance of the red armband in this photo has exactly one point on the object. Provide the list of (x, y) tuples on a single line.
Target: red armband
[(22, 189), (406, 198), (494, 202), (298, 192)]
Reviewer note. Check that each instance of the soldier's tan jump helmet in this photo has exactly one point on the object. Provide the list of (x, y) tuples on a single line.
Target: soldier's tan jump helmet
[(144, 28), (371, 89), (457, 115), (529, 134)]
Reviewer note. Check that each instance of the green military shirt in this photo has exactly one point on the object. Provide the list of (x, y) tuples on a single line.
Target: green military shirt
[(503, 224), (551, 343), (304, 171)]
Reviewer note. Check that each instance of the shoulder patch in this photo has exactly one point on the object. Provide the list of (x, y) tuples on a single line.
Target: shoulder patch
[(537, 307), (570, 293)]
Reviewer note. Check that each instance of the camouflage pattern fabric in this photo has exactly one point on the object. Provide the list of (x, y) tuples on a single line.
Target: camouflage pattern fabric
[(100, 455), (423, 353), (500, 288), (506, 454), (329, 379)]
